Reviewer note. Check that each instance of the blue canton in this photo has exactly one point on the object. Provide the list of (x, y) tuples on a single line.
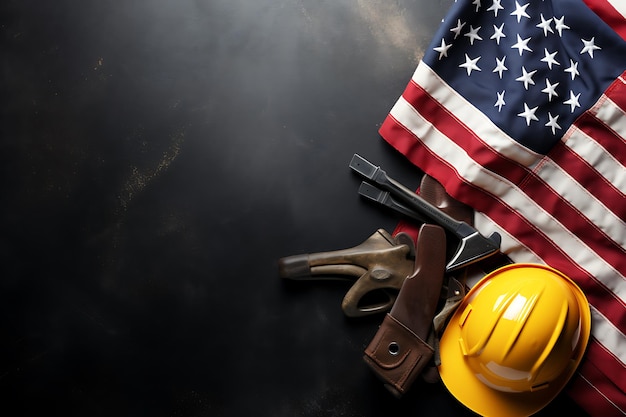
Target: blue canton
[(532, 67)]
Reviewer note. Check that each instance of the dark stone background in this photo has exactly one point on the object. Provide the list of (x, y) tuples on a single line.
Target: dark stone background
[(158, 158)]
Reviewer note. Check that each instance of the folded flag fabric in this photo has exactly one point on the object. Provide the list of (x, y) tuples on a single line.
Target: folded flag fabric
[(517, 109)]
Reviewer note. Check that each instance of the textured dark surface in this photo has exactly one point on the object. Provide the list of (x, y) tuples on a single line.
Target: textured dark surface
[(158, 158)]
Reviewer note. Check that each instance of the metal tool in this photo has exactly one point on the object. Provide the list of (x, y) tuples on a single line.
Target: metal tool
[(381, 264), (473, 246), (385, 198)]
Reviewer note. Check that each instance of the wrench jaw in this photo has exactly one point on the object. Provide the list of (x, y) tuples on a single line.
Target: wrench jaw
[(474, 248), (356, 304)]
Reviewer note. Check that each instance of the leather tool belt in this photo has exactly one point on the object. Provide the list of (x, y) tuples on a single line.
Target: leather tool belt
[(421, 292), (406, 343)]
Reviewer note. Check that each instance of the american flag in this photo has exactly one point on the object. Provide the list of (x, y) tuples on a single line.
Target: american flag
[(517, 108)]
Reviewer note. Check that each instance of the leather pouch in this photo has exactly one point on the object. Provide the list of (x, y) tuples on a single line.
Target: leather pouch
[(397, 355)]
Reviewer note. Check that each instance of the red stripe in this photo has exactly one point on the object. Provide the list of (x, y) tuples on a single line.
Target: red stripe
[(533, 185), (595, 393), (598, 295), (607, 363), (611, 17)]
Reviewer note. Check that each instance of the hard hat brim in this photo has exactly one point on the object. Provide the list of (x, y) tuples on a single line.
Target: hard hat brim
[(464, 385)]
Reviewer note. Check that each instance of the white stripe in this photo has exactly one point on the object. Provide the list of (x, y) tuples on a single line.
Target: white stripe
[(608, 335), (511, 195), (611, 115), (620, 6), (595, 155), (584, 201)]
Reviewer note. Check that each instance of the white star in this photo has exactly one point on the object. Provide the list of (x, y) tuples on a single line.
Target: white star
[(521, 45), (589, 47), (545, 25), (549, 58), (552, 123), (498, 32), (457, 29), (495, 6), (572, 101), (500, 101), (572, 69), (443, 49), (526, 78), (559, 25), (550, 90), (477, 3), (470, 64), (500, 66), (528, 114), (520, 11), (473, 34)]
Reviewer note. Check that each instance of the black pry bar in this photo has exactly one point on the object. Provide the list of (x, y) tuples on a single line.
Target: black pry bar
[(473, 246), (379, 177), (385, 198)]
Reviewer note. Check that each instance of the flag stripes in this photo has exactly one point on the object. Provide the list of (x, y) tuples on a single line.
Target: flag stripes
[(443, 151)]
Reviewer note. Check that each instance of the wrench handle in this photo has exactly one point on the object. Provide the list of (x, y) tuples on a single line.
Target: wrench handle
[(417, 203)]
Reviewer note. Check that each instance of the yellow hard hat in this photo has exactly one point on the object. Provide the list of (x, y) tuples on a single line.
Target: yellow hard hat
[(515, 340)]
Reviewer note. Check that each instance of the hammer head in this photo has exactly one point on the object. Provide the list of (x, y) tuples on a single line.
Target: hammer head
[(474, 248)]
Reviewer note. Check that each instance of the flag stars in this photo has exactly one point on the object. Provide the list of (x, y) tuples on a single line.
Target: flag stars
[(529, 114), (572, 102), (526, 77), (498, 33), (544, 102), (458, 28), (559, 25), (572, 69), (495, 6), (470, 64), (549, 58), (589, 47), (552, 123), (520, 11), (521, 45), (545, 25), (473, 34), (500, 66), (443, 49), (500, 101), (550, 89)]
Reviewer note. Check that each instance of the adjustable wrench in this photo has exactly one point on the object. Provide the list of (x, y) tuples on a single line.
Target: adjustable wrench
[(473, 246), (380, 264)]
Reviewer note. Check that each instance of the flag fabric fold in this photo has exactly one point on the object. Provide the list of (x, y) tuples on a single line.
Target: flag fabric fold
[(517, 108)]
